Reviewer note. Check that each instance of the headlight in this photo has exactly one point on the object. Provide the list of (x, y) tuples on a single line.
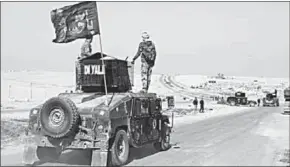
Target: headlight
[(34, 111), (100, 127), (102, 113)]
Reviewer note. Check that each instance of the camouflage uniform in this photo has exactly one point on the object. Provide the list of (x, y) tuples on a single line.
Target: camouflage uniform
[(78, 75), (86, 49), (148, 54)]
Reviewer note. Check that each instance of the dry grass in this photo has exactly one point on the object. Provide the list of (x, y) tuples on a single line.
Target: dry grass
[(12, 131), (285, 157)]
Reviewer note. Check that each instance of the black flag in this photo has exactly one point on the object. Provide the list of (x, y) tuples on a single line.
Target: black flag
[(75, 22)]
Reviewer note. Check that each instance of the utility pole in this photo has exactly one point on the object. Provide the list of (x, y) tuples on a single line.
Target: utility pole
[(30, 90), (9, 93)]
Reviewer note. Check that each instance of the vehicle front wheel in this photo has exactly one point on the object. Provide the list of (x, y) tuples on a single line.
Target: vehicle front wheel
[(252, 104), (164, 144), (46, 154), (120, 149), (232, 103)]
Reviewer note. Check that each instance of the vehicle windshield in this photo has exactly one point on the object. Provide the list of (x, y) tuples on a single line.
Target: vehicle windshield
[(240, 94), (287, 93), (269, 96)]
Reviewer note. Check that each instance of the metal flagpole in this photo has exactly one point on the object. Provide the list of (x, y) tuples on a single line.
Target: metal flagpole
[(103, 64), (104, 68)]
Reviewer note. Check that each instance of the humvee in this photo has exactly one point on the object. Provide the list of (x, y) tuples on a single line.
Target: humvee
[(271, 99), (83, 121), (287, 100), (240, 99)]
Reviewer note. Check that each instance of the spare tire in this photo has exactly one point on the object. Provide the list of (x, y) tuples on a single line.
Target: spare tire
[(59, 117)]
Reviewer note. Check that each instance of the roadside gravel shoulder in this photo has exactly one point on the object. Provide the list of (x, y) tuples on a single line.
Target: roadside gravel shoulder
[(276, 128), (195, 116)]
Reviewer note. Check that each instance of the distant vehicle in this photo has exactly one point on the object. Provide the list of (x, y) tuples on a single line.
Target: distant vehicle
[(212, 81), (193, 87), (240, 99), (287, 101), (271, 99)]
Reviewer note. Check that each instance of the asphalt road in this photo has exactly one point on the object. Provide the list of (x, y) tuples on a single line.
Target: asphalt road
[(227, 140)]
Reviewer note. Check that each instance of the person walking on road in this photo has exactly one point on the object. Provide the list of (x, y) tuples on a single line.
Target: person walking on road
[(259, 101), (195, 103), (201, 102)]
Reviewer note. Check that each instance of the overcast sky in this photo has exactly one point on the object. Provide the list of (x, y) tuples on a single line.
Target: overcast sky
[(234, 38)]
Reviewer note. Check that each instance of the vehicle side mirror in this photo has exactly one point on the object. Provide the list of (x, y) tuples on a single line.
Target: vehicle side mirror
[(144, 106), (170, 101), (158, 104)]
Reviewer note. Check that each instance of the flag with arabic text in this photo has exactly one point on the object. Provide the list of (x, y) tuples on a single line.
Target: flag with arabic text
[(75, 22)]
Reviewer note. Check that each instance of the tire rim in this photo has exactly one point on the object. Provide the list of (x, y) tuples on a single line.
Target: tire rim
[(121, 147), (56, 117), (166, 140)]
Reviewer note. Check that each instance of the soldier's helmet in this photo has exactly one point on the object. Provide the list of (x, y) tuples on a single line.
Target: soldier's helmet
[(145, 35), (89, 40)]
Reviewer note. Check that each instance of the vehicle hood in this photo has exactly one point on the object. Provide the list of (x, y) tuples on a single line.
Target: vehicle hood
[(269, 100)]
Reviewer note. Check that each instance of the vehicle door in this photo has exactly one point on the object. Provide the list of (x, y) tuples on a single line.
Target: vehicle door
[(139, 121), (155, 119)]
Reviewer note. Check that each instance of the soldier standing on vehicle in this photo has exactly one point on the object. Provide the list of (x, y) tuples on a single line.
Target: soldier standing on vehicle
[(86, 49), (195, 103), (148, 55), (201, 102)]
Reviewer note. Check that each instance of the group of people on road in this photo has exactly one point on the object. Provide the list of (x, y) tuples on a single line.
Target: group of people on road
[(201, 104)]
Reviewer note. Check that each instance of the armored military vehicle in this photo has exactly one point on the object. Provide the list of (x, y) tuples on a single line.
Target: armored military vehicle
[(240, 99), (271, 99), (287, 101), (82, 120)]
